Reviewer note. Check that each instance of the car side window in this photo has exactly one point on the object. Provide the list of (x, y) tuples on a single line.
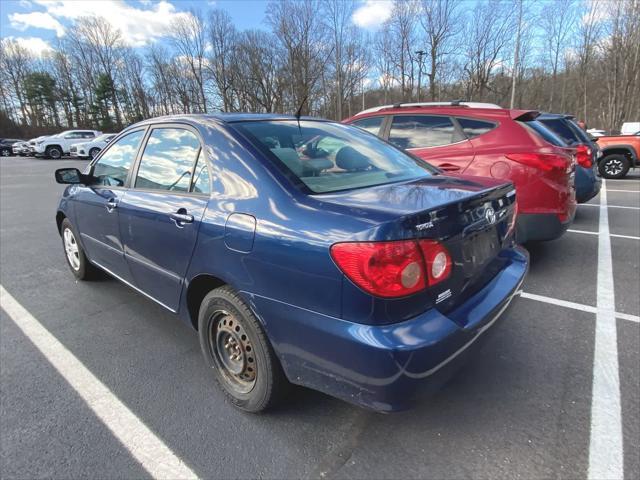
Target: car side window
[(87, 135), (370, 124), (73, 135), (114, 165), (201, 182), (474, 128), (168, 160), (416, 131)]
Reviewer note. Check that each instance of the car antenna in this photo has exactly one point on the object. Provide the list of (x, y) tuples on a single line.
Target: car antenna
[(299, 112)]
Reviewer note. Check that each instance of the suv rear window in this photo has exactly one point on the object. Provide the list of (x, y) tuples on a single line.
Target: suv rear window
[(474, 128), (543, 132), (370, 124), (418, 131), (561, 127), (327, 157)]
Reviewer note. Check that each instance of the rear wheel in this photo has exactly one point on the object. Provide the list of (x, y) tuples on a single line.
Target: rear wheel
[(93, 152), (53, 152), (237, 350), (76, 259), (614, 166), (6, 152)]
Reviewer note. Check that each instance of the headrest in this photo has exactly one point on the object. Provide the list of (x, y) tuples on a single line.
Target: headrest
[(348, 158)]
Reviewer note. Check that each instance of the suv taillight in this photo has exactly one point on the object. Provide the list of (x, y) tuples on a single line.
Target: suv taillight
[(543, 161), (393, 269), (584, 156)]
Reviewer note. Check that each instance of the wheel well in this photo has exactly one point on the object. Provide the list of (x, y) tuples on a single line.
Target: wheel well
[(197, 290), (51, 146), (617, 151), (59, 219)]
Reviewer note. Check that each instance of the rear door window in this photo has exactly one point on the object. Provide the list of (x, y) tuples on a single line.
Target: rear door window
[(168, 160), (419, 131), (370, 124), (474, 128)]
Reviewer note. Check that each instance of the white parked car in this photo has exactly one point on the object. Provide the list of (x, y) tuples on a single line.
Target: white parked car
[(58, 145), (92, 148), (594, 132), (630, 128)]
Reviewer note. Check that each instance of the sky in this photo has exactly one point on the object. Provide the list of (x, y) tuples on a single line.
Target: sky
[(37, 24)]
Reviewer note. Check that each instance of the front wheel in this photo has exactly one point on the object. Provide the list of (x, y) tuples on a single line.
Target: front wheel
[(53, 152), (237, 350), (76, 259), (614, 166), (94, 152), (6, 152)]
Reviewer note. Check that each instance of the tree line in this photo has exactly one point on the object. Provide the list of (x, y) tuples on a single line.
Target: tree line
[(571, 56)]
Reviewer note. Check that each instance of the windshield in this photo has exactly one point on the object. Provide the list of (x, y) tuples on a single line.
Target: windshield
[(327, 157)]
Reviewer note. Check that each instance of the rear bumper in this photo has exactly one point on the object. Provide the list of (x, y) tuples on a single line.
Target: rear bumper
[(587, 184), (539, 227), (385, 367)]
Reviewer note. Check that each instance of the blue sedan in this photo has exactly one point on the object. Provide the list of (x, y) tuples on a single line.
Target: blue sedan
[(302, 251)]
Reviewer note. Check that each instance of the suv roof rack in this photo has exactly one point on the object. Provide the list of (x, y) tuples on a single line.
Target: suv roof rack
[(453, 103)]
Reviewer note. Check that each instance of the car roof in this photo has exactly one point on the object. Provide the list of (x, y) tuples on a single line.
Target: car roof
[(222, 118), (553, 116)]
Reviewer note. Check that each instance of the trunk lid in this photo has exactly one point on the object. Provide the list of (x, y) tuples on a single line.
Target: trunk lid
[(472, 217)]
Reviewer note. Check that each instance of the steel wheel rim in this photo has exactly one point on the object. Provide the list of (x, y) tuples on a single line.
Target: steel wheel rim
[(613, 167), (55, 153), (93, 152), (71, 249), (232, 352)]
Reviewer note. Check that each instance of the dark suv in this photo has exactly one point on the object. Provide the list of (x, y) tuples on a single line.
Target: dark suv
[(587, 181)]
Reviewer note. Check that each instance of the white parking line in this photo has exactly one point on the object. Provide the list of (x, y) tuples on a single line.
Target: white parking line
[(630, 237), (605, 446), (576, 306), (610, 206), (151, 452), (625, 191)]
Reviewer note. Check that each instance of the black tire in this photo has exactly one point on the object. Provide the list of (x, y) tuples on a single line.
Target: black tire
[(83, 270), (53, 152), (258, 381), (614, 166), (93, 152), (6, 152)]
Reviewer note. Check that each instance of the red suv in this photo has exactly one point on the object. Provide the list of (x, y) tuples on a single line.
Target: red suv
[(486, 140)]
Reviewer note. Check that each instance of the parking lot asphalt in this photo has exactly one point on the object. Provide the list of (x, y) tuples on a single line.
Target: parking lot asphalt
[(529, 405)]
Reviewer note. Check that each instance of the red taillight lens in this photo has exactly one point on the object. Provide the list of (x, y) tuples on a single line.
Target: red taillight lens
[(583, 156), (393, 269), (543, 161)]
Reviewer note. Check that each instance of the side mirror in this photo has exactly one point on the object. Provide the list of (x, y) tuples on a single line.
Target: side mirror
[(69, 176)]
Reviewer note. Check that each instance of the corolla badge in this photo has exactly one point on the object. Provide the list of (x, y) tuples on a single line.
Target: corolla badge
[(490, 215)]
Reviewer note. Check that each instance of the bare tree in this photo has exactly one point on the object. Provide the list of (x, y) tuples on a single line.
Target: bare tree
[(188, 36), (557, 19), (441, 23), (222, 38)]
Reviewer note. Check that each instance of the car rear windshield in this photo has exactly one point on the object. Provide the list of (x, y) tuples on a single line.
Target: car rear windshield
[(561, 127), (544, 132), (328, 157)]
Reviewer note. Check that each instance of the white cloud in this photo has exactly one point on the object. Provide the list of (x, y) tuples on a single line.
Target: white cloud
[(372, 13), (35, 46), (25, 3), (22, 21), (138, 26)]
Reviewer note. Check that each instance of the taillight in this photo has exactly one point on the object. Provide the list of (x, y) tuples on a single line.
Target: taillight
[(437, 260), (584, 156), (543, 161), (393, 269)]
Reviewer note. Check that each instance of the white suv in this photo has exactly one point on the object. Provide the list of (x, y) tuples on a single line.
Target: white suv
[(60, 144), (91, 148)]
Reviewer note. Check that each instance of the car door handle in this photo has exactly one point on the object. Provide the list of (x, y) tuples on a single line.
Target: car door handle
[(449, 167), (112, 203), (181, 218)]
